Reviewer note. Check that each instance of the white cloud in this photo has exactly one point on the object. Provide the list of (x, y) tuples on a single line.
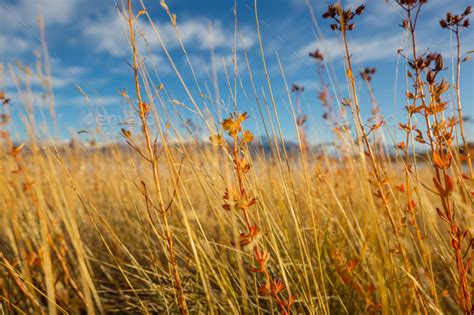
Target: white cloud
[(202, 63), (61, 78), (19, 23), (362, 49), (110, 35), (19, 100), (355, 3), (12, 45), (23, 14), (38, 98), (54, 11), (381, 14), (110, 100)]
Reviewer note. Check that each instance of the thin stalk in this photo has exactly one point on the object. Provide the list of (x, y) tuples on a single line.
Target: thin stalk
[(459, 106), (154, 163)]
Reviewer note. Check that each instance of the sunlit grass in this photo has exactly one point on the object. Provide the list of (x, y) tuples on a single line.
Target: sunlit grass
[(244, 223)]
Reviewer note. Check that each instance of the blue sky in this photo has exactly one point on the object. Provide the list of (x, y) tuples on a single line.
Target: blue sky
[(88, 48)]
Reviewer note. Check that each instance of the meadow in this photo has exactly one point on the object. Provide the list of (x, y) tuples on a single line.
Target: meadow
[(240, 222)]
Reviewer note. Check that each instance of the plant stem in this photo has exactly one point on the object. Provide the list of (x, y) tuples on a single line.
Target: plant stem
[(459, 107), (152, 158)]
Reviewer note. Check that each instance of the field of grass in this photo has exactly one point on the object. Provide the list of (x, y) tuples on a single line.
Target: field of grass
[(243, 223)]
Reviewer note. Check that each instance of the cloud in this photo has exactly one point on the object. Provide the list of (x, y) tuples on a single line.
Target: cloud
[(354, 3), (12, 45), (381, 14), (109, 35), (362, 49), (23, 13), (222, 62), (19, 23), (109, 100), (61, 77)]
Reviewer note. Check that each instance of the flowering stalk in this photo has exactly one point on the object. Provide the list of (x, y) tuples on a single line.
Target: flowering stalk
[(440, 135), (343, 22), (239, 199), (412, 11), (143, 111), (456, 23), (342, 19)]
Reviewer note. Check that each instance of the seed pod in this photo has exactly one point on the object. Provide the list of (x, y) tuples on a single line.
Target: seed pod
[(420, 63), (126, 134), (439, 63), (466, 23), (468, 10), (430, 76), (449, 17), (443, 23), (360, 9)]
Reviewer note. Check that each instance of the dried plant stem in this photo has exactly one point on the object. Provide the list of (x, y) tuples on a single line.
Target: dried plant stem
[(362, 137), (240, 199), (440, 148), (455, 231), (459, 106), (143, 111), (284, 306), (409, 128)]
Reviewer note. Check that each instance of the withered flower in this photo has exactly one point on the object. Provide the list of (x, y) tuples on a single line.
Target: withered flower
[(430, 76), (317, 55), (468, 10), (454, 22), (360, 9), (439, 63), (342, 17), (297, 88), (368, 73)]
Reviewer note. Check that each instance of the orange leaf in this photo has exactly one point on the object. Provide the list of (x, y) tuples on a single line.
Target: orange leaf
[(247, 137), (400, 188), (449, 182), (438, 161)]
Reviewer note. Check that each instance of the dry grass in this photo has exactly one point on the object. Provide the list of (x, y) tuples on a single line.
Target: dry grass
[(160, 225)]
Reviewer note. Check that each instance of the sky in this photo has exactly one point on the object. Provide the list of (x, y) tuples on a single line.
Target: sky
[(89, 54)]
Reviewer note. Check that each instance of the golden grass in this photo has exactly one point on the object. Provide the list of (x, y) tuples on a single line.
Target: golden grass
[(159, 226)]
